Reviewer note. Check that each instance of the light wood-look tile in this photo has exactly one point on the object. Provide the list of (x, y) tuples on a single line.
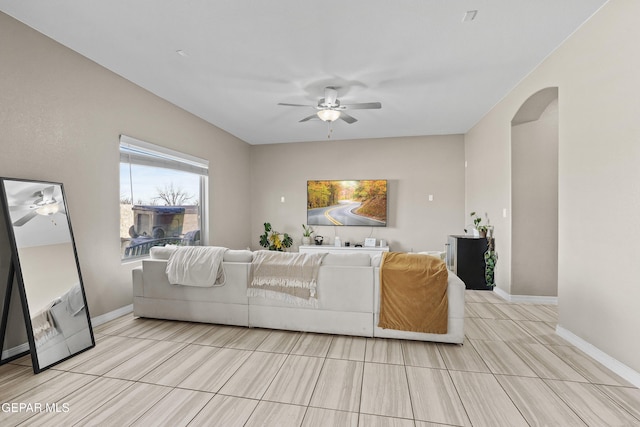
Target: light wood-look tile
[(368, 420), (164, 330), (381, 350), (104, 361), (545, 363), (588, 367), (213, 373), (218, 335), (542, 332), (254, 376), (314, 345), (501, 359), (140, 326), (174, 370), (128, 405), (506, 330), (339, 385), (248, 339), (49, 392), (279, 342), (593, 406), (515, 312), (83, 402), (537, 403), (145, 361), (276, 414), (626, 397), (190, 333), (485, 310), (462, 357), (225, 411), (320, 417), (434, 397), (422, 354), (15, 380), (350, 348), (308, 379), (385, 391), (295, 381), (175, 409), (485, 401)]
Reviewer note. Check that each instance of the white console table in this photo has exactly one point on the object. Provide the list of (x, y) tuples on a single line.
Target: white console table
[(371, 250)]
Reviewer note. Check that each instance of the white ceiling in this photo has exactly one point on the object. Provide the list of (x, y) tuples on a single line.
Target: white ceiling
[(433, 73)]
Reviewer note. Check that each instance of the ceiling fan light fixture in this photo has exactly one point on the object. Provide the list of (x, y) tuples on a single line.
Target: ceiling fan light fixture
[(48, 209), (328, 115)]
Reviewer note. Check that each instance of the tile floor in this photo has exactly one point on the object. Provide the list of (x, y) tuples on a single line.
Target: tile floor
[(512, 370)]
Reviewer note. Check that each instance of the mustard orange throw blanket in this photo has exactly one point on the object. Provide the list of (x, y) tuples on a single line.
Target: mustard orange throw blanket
[(413, 293)]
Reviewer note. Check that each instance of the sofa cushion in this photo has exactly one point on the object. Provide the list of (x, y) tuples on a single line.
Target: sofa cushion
[(358, 260), (161, 252), (233, 255)]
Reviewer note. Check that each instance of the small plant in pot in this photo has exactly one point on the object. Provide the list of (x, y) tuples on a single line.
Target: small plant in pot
[(274, 240), (306, 235)]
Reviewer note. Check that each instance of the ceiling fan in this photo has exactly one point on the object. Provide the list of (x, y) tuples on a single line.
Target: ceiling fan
[(330, 109), (43, 204)]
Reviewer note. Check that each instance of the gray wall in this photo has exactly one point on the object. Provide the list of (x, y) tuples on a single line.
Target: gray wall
[(61, 116), (414, 167), (596, 72), (534, 201)]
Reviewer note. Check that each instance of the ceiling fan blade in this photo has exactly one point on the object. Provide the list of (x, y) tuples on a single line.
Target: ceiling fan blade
[(347, 118), (311, 117), (363, 106), (22, 221), (296, 105)]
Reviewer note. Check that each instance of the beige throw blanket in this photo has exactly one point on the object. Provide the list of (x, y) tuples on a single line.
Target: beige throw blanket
[(290, 277), (413, 293), (196, 266)]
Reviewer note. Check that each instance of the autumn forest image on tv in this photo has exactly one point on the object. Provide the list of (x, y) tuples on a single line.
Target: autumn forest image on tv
[(360, 202)]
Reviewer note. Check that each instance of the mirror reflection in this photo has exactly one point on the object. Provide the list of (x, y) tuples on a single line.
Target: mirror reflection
[(47, 262)]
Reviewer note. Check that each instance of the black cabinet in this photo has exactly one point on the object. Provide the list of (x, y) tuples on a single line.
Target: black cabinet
[(465, 257)]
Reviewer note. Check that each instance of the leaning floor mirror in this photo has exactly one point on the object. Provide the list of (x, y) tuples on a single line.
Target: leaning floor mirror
[(44, 268)]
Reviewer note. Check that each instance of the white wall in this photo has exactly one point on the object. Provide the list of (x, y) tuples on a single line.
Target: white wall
[(60, 119), (414, 167), (596, 71)]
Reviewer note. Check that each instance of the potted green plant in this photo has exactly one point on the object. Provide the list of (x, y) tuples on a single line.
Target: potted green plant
[(306, 234), (274, 240), (482, 229), (490, 259)]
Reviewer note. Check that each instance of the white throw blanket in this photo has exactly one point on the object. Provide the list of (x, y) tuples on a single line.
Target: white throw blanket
[(196, 266), (290, 277)]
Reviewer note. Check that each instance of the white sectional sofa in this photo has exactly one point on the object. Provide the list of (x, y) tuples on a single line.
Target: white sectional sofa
[(347, 288)]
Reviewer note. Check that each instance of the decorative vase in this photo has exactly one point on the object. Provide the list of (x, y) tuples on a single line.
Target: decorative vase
[(306, 240)]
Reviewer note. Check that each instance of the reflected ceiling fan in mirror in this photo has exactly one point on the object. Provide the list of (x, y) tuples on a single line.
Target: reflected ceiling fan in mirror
[(43, 203), (329, 108)]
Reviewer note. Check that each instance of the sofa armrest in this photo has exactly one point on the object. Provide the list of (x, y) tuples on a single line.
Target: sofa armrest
[(137, 282)]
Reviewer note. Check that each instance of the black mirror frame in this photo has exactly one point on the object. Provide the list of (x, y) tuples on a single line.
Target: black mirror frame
[(16, 271)]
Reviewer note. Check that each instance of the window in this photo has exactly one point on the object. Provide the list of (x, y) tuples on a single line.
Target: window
[(162, 198)]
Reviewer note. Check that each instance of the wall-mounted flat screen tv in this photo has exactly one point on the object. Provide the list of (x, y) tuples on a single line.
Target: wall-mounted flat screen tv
[(357, 202)]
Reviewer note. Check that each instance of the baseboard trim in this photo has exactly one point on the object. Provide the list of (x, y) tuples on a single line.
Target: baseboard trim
[(14, 351), (618, 367), (531, 299), (104, 318)]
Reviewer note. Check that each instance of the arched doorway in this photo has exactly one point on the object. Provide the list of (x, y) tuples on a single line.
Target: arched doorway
[(534, 196)]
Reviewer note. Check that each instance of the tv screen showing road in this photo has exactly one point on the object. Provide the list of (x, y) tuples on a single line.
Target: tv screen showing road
[(357, 203)]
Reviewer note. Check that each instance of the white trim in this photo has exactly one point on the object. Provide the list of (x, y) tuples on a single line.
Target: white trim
[(13, 351), (104, 318), (618, 367), (531, 299)]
